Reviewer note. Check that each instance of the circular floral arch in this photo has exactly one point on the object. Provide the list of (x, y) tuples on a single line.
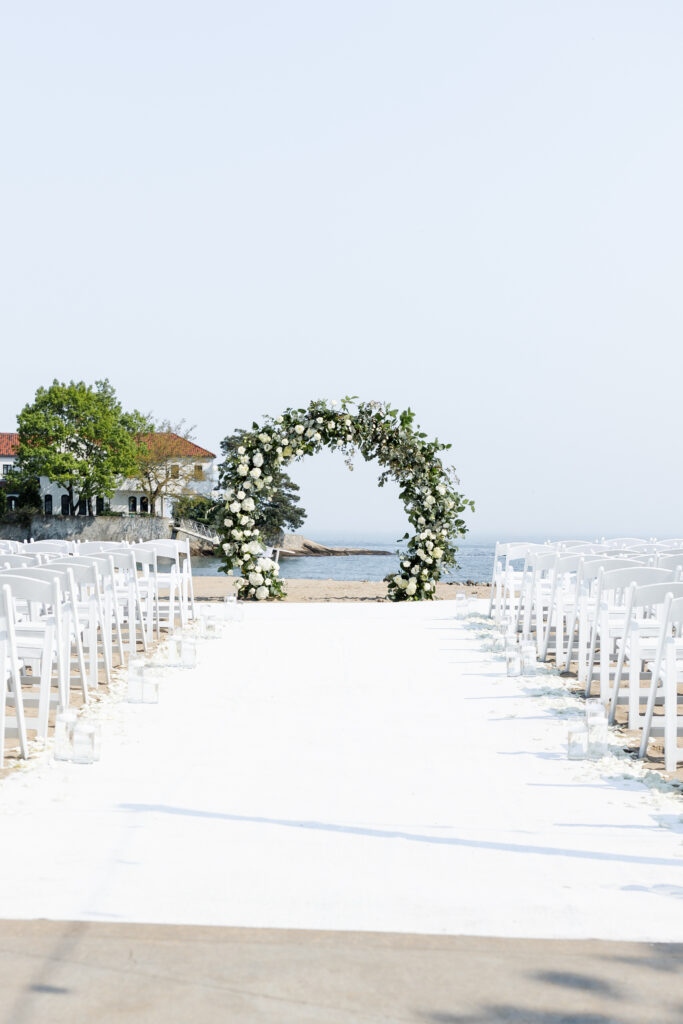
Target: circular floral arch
[(428, 489)]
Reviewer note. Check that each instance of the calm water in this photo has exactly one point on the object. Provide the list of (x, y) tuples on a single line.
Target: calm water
[(475, 558)]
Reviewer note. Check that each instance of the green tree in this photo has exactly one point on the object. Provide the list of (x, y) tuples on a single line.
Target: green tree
[(159, 471), (281, 511), (79, 437)]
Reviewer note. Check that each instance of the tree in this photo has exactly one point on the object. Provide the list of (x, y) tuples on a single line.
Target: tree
[(280, 511), (161, 470), (78, 436)]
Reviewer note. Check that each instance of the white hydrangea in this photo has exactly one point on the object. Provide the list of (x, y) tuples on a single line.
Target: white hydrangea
[(261, 593), (255, 579)]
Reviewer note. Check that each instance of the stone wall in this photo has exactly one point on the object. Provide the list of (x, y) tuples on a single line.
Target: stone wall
[(114, 528)]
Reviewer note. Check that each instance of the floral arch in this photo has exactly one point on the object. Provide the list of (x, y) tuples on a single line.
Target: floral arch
[(433, 505)]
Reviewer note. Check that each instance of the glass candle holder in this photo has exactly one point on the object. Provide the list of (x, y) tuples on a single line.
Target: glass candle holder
[(594, 709), (136, 669), (460, 606), (151, 677), (577, 742), (213, 627), (597, 737), (189, 654), (84, 748), (528, 652), (65, 723), (513, 658)]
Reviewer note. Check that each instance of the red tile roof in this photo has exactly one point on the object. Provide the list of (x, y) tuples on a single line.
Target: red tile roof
[(163, 444), (8, 444), (171, 444)]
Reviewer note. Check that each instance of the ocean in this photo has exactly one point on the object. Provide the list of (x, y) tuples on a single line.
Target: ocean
[(475, 563)]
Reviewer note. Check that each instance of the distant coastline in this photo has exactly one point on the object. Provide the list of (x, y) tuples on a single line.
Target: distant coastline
[(295, 545)]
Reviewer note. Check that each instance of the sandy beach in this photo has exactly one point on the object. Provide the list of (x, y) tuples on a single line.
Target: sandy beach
[(214, 588)]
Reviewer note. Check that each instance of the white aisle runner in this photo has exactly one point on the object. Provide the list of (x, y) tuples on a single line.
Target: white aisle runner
[(353, 767)]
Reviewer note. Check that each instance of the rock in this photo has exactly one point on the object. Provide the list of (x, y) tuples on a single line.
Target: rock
[(294, 545)]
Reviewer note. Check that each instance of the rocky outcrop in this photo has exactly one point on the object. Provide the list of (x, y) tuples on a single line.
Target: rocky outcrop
[(294, 545)]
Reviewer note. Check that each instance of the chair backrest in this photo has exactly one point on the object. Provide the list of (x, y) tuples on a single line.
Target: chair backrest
[(655, 594), (8, 561), (591, 568), (66, 546), (668, 561), (641, 576), (35, 591)]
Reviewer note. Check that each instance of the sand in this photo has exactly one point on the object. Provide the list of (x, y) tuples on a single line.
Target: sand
[(216, 587)]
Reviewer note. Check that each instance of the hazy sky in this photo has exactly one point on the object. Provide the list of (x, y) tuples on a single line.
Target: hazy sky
[(471, 208)]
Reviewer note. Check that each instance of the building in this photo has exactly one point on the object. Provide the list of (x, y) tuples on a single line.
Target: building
[(176, 467), (8, 448)]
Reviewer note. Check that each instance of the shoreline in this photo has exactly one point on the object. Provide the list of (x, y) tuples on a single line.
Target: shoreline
[(215, 588)]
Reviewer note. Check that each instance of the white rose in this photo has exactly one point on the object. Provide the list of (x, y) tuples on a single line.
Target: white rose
[(430, 499), (406, 564), (441, 489), (421, 520), (320, 419), (243, 470), (415, 570), (411, 588), (299, 451), (227, 548), (248, 505), (247, 485), (235, 507), (403, 584), (241, 495), (420, 554), (241, 450), (264, 438), (255, 473), (255, 579), (258, 459), (397, 580), (279, 419), (227, 522), (261, 593), (437, 552), (299, 429), (259, 485), (317, 436), (254, 547)]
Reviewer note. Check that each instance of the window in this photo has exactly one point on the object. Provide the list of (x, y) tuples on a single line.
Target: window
[(199, 472), (6, 468), (132, 504), (48, 504), (82, 507), (99, 507), (144, 504), (175, 472), (65, 505)]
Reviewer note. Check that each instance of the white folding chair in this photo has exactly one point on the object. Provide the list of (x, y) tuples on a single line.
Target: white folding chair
[(12, 725), (37, 611), (645, 609), (611, 614)]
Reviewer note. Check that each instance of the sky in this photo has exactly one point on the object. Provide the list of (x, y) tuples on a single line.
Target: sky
[(471, 209)]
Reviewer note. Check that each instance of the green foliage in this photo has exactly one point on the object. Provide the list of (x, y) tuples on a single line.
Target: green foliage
[(198, 507), (279, 509), (427, 488), (28, 498), (77, 435)]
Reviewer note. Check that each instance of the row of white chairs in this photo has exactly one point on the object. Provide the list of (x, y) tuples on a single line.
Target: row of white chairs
[(613, 607), (64, 612)]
